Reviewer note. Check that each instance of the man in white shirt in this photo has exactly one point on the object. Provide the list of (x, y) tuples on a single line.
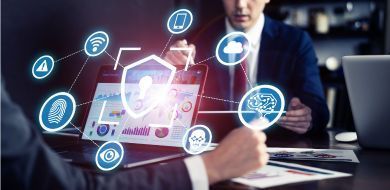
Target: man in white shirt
[(279, 54)]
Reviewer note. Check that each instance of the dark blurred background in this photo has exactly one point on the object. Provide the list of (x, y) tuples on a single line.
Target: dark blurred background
[(59, 28)]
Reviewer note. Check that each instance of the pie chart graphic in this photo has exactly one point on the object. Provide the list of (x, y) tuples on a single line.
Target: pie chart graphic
[(186, 106), (161, 132)]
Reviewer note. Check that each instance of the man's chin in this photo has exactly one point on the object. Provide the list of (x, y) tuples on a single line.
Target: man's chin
[(241, 26)]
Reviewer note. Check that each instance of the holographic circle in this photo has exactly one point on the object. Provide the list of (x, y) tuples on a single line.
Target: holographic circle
[(261, 107)]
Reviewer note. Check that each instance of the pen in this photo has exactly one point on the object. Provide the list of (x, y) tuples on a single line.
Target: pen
[(297, 168)]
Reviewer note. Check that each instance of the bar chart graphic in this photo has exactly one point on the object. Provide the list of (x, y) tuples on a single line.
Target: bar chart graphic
[(136, 131)]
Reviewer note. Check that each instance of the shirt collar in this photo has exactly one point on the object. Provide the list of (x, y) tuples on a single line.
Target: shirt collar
[(253, 33)]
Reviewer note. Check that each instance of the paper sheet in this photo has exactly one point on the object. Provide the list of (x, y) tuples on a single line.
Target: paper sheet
[(334, 155), (279, 173)]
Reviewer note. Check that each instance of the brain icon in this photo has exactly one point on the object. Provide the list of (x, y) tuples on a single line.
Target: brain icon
[(262, 103)]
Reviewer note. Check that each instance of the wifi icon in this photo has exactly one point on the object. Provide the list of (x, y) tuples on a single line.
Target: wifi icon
[(96, 43)]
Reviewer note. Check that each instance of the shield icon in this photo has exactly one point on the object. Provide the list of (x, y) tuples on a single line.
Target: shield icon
[(145, 83)]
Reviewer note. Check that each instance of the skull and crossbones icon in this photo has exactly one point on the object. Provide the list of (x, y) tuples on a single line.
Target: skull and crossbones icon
[(197, 139)]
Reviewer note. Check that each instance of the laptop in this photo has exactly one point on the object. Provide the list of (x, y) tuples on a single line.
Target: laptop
[(154, 137), (367, 79)]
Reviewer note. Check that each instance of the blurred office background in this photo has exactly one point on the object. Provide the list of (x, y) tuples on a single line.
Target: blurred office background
[(338, 28), (59, 28)]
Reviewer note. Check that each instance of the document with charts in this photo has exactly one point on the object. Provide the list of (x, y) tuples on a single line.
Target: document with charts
[(332, 155), (279, 173)]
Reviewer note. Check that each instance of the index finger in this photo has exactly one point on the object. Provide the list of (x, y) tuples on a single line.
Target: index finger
[(298, 112)]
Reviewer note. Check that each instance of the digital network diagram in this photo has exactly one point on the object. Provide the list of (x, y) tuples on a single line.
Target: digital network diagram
[(258, 109)]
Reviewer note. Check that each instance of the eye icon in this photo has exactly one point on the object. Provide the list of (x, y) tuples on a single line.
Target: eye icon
[(109, 155)]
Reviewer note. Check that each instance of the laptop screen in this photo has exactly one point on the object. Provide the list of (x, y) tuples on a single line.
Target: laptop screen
[(164, 125)]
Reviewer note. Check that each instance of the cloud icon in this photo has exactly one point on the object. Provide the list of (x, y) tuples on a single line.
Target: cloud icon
[(233, 47)]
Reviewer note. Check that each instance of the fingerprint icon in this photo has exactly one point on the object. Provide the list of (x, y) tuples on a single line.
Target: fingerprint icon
[(57, 111)]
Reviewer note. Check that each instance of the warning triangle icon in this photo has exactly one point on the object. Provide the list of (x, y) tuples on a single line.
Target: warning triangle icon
[(42, 67)]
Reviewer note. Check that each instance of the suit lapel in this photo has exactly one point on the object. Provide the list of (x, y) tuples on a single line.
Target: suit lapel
[(267, 53)]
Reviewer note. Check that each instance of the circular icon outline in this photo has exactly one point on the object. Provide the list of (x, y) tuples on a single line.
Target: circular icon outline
[(280, 112), (184, 29), (87, 41), (183, 106), (99, 127), (185, 138), (99, 151), (69, 119), (36, 61), (225, 37)]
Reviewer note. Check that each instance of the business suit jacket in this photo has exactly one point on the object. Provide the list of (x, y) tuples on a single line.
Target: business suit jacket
[(287, 60), (28, 163)]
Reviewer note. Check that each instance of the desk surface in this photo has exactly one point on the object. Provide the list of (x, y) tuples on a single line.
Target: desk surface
[(373, 171)]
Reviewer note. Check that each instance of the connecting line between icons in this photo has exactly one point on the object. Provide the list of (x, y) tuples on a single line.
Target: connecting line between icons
[(221, 112), (94, 100), (189, 57), (78, 74), (196, 63), (207, 97), (120, 52), (83, 134), (109, 55), (246, 76), (219, 99), (166, 45), (204, 60), (98, 99), (58, 60), (171, 120)]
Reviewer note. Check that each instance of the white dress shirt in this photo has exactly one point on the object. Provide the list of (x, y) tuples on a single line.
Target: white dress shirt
[(197, 171), (254, 35), (195, 164)]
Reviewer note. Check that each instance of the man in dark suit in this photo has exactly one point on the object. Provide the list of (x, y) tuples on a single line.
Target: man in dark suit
[(28, 163), (280, 55)]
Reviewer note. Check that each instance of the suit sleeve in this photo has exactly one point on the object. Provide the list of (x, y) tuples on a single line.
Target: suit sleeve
[(28, 163), (307, 84)]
